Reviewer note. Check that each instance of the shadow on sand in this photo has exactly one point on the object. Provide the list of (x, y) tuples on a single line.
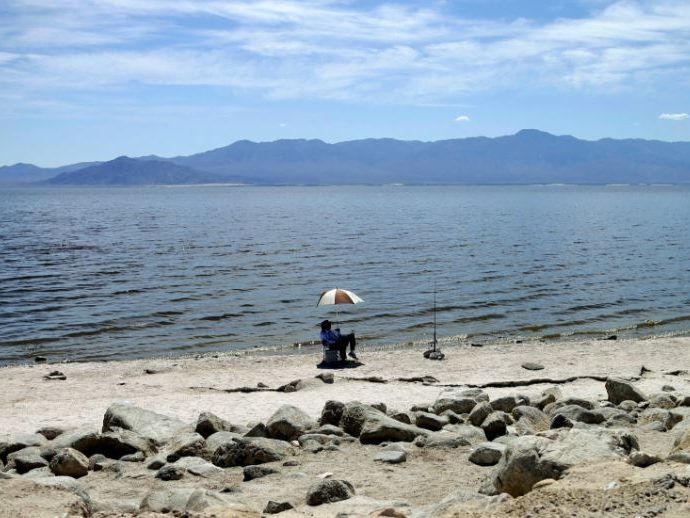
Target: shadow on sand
[(346, 364)]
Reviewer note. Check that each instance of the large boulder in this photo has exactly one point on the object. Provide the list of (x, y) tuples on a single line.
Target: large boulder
[(531, 458), (199, 467), (117, 444), (441, 440), (150, 425), (288, 423), (19, 442), (468, 433), (218, 439), (480, 412), (460, 402), (26, 459), (530, 420), (332, 413), (188, 444), (494, 425), (487, 454), (619, 390), (247, 452), (430, 421), (83, 439), (187, 499), (577, 413), (373, 426), (506, 403), (328, 491), (207, 424), (70, 463)]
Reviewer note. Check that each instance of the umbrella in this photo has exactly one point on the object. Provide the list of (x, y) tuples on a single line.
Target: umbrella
[(338, 296)]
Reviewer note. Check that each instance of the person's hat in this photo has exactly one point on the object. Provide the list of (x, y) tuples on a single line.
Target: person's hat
[(325, 324)]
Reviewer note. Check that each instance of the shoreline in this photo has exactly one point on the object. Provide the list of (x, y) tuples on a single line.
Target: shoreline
[(184, 386)]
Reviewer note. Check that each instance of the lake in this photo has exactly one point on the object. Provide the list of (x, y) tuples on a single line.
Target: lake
[(114, 273)]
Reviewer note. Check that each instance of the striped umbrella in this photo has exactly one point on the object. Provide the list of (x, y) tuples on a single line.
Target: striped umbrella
[(338, 296)]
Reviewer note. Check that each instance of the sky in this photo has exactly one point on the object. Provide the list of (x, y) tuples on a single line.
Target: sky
[(88, 80)]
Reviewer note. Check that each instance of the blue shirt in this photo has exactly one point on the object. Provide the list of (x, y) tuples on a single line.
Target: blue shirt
[(330, 336)]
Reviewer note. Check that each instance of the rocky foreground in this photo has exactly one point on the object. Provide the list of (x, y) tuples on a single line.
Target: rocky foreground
[(544, 453)]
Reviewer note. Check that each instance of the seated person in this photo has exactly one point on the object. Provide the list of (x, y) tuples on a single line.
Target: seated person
[(333, 338)]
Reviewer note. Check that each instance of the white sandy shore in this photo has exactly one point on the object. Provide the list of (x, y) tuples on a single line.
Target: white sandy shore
[(184, 387)]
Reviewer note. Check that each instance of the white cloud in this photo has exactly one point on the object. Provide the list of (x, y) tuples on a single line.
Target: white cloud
[(674, 116), (412, 52), (462, 118)]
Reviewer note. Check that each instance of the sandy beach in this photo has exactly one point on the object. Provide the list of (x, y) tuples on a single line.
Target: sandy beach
[(182, 387), (241, 389)]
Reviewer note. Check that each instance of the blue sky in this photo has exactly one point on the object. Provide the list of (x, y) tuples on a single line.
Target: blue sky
[(94, 79)]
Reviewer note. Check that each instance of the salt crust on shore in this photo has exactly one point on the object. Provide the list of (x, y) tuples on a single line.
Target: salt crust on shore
[(183, 387)]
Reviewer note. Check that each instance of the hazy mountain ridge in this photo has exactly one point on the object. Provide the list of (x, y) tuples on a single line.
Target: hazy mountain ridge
[(130, 171), (529, 156)]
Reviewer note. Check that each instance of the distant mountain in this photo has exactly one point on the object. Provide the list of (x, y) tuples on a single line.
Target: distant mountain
[(28, 173), (529, 156), (130, 171)]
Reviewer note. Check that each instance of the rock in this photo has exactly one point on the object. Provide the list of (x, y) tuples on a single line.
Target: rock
[(332, 413), (182, 500), (494, 425), (185, 445), (170, 472), (199, 467), (207, 424), (55, 375), (452, 417), (548, 396), (70, 462), (442, 440), (430, 421), (458, 402), (642, 459), (619, 390), (19, 442), (377, 427), (433, 355), (577, 413), (587, 404), (273, 507), (479, 413), (532, 366), (257, 430), (403, 417), (468, 433), (40, 359), (391, 457), (420, 407), (530, 420), (681, 456), (329, 429), (117, 444), (26, 459), (487, 454), (668, 388), (150, 425), (84, 439), (504, 404), (666, 401), (627, 405), (682, 442), (288, 423), (247, 452), (684, 401), (326, 377), (666, 419), (328, 491), (50, 432), (69, 484), (133, 457), (381, 407), (98, 461), (219, 438), (561, 421), (529, 459), (320, 438), (252, 472)]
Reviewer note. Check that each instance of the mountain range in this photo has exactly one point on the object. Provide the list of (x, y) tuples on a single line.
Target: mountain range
[(528, 157)]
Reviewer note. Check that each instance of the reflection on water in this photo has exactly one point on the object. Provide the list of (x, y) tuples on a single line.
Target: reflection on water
[(123, 273)]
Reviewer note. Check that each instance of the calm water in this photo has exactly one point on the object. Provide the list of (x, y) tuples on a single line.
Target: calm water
[(124, 273)]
